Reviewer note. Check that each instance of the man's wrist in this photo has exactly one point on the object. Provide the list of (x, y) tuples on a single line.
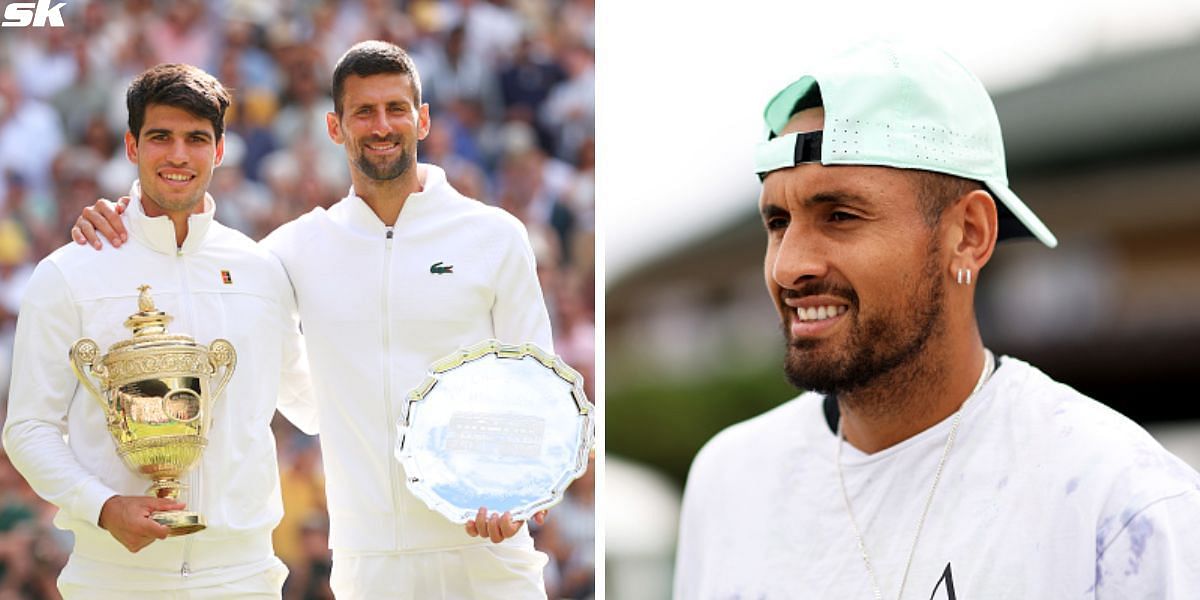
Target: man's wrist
[(89, 500), (104, 505)]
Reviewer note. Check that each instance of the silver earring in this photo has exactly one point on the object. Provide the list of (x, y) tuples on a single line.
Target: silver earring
[(964, 276)]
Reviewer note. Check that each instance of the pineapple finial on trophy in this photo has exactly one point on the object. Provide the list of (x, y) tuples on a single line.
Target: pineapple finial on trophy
[(148, 320), (145, 302)]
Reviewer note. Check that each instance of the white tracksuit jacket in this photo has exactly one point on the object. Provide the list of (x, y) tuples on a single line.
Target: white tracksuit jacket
[(56, 435), (376, 312)]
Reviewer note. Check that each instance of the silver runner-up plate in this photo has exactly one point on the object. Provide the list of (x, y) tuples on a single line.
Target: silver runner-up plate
[(495, 425)]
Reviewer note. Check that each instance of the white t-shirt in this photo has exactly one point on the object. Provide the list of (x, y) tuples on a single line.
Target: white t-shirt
[(1046, 494)]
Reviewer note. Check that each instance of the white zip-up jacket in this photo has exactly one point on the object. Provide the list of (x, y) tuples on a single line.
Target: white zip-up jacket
[(220, 284), (378, 305)]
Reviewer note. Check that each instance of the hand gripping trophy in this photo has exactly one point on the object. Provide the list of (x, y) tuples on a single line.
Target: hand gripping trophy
[(157, 392)]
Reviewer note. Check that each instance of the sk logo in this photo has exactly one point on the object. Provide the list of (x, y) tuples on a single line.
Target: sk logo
[(30, 14), (437, 268), (226, 278)]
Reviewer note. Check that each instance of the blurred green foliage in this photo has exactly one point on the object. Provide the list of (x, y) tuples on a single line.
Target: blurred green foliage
[(663, 423)]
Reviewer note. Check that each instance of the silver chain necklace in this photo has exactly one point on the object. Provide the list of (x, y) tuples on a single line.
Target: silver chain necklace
[(989, 364)]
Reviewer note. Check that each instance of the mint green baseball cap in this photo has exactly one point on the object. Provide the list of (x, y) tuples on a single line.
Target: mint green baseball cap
[(899, 104)]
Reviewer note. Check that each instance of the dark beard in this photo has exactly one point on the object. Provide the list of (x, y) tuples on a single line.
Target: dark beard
[(877, 346), (386, 172)]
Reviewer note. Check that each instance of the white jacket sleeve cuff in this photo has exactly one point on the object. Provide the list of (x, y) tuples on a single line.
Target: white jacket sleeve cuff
[(87, 503)]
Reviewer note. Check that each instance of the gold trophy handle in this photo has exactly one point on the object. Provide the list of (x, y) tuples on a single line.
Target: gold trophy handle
[(84, 353), (221, 354)]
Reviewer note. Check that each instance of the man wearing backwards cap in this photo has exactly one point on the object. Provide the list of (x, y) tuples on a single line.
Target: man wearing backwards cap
[(917, 461)]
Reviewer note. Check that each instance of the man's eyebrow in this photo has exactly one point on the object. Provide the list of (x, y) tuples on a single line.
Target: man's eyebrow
[(772, 209), (168, 132), (388, 102), (837, 197)]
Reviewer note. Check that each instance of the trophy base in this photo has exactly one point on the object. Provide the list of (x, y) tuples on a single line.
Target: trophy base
[(180, 522)]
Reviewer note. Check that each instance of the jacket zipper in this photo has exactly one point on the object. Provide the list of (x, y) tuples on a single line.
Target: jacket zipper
[(185, 569), (390, 424)]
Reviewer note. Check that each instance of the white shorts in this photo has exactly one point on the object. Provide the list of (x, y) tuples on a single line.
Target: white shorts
[(263, 585), (492, 571)]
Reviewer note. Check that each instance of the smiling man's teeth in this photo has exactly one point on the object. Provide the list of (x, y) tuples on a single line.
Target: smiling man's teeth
[(174, 177), (386, 147), (818, 313)]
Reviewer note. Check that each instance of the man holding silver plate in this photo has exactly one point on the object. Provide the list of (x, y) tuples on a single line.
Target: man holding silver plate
[(433, 271), (193, 417)]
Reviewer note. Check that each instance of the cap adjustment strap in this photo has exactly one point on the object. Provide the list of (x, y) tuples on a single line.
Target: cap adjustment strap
[(787, 151)]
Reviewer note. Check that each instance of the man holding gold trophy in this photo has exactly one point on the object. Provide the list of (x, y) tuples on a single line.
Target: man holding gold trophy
[(396, 276), (179, 496)]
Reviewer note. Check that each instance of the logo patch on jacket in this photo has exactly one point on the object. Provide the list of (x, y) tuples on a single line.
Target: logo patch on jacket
[(226, 278), (438, 268)]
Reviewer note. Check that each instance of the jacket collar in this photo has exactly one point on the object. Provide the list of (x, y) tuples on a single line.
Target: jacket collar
[(159, 232), (353, 212)]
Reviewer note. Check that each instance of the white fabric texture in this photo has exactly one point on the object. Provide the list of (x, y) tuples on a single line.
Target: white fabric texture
[(263, 584), (1046, 494), (483, 572), (56, 434), (375, 315)]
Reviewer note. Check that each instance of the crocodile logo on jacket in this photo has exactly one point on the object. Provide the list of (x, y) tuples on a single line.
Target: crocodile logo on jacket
[(438, 269)]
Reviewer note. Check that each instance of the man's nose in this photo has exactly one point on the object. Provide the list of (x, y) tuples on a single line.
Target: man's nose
[(178, 154), (380, 125), (802, 256)]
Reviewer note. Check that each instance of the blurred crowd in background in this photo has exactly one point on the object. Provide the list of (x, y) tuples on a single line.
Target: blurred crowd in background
[(511, 87)]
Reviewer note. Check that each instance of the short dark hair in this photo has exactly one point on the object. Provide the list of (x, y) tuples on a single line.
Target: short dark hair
[(938, 191), (181, 86), (373, 57)]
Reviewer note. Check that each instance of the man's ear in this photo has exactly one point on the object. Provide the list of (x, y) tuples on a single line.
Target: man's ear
[(220, 155), (423, 122), (130, 147), (974, 229), (334, 126)]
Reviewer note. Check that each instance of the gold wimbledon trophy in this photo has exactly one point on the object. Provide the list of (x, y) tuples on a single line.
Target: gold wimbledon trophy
[(157, 393)]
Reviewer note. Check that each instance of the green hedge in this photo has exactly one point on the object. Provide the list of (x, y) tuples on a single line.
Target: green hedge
[(664, 423)]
